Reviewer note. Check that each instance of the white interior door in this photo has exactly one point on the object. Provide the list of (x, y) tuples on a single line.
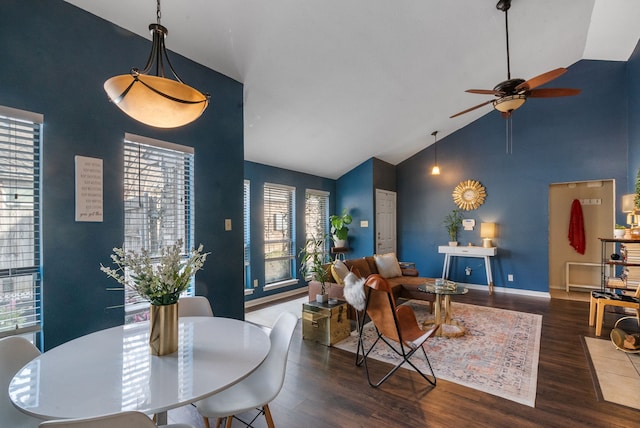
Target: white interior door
[(385, 221)]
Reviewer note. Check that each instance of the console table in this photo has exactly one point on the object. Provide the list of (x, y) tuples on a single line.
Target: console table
[(468, 251)]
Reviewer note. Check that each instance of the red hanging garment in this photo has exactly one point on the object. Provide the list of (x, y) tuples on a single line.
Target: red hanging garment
[(576, 228)]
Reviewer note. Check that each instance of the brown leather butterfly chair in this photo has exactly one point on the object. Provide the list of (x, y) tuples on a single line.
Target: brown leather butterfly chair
[(397, 327)]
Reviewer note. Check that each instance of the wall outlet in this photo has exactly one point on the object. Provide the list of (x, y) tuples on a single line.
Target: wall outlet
[(510, 277), (467, 271), (255, 283), (227, 224), (364, 223)]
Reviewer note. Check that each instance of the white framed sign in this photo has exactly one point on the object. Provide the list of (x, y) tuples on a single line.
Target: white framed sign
[(89, 185)]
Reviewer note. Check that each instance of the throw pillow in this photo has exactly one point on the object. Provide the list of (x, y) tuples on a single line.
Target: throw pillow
[(388, 266), (354, 291), (339, 270)]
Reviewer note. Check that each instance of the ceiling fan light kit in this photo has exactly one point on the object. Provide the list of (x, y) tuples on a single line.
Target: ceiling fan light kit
[(511, 94), (156, 100), (509, 103)]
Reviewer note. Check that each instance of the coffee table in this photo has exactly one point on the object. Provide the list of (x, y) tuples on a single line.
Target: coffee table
[(442, 313)]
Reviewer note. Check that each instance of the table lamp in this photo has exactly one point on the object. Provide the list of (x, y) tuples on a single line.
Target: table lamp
[(487, 233), (629, 207)]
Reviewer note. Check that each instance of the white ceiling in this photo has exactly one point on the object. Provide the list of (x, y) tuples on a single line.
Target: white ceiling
[(329, 84)]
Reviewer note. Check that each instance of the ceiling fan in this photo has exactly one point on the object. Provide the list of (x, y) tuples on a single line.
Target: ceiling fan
[(512, 93)]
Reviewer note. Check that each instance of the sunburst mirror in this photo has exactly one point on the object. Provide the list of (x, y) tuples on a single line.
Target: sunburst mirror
[(469, 195)]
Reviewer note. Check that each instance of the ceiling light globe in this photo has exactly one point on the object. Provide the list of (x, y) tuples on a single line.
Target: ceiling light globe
[(509, 103), (156, 101)]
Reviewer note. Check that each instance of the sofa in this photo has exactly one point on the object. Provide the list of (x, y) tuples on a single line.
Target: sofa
[(404, 281)]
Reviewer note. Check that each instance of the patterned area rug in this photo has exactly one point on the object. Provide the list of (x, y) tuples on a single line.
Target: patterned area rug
[(498, 354)]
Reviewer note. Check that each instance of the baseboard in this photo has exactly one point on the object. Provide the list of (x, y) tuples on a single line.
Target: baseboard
[(279, 296), (520, 292)]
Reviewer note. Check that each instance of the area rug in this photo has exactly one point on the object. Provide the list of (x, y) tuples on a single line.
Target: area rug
[(617, 373), (498, 354)]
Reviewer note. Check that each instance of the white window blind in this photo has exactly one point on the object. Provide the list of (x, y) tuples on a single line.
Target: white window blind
[(316, 218), (247, 234), (279, 236), (316, 213), (20, 138), (158, 203)]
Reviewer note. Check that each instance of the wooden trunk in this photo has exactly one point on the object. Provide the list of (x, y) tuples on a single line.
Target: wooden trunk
[(326, 323)]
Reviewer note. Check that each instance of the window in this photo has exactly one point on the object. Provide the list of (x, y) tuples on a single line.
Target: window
[(20, 137), (279, 236), (316, 217), (158, 203), (247, 235)]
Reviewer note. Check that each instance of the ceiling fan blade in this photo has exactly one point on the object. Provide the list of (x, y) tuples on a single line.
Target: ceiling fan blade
[(552, 92), (472, 108), (484, 92), (543, 78)]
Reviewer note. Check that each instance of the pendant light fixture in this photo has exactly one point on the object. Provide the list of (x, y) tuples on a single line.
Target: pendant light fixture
[(436, 169), (156, 100)]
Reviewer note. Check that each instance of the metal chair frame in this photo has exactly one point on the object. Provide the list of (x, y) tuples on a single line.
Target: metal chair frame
[(402, 349)]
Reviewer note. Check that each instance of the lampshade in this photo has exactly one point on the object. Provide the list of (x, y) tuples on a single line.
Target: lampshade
[(628, 203), (509, 103), (156, 100), (487, 232), (436, 169)]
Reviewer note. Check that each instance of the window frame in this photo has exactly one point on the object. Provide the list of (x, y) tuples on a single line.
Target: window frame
[(173, 200), (22, 163), (272, 191)]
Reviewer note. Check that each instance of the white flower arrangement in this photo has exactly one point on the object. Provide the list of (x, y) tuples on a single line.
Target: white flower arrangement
[(160, 280)]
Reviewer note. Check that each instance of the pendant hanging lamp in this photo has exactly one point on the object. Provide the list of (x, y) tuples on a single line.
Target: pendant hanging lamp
[(156, 100), (436, 169)]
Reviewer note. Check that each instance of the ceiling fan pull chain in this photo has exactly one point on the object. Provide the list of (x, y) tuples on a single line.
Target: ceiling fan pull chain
[(509, 135)]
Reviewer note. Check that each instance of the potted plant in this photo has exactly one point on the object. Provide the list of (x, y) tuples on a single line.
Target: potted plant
[(313, 258), (339, 229), (453, 222), (619, 231)]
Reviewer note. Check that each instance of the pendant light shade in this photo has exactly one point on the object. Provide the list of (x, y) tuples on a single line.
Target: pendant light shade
[(436, 169), (154, 99)]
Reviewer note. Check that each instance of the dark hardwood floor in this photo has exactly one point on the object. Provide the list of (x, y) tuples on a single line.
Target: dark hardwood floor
[(323, 387)]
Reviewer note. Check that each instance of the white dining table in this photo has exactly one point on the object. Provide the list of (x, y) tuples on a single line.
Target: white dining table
[(112, 370)]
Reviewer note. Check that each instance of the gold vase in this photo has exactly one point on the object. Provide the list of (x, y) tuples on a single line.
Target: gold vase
[(163, 334)]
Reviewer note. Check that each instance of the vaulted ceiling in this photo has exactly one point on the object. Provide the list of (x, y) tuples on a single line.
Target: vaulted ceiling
[(329, 84)]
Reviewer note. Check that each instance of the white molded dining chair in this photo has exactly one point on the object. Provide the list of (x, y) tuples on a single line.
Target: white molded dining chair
[(129, 419), (15, 352), (258, 389), (194, 306)]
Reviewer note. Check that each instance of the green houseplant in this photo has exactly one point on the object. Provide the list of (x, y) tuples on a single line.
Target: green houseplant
[(339, 229), (453, 222), (313, 258)]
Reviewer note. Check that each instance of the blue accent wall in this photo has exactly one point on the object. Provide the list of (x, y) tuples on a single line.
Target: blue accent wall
[(554, 140), (55, 59), (258, 175), (633, 91), (355, 193)]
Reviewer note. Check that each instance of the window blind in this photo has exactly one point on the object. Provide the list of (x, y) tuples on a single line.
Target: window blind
[(316, 213), (247, 234), (279, 236), (316, 219), (20, 138), (158, 203)]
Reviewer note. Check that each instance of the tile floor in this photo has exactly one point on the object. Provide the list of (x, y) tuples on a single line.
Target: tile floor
[(618, 372)]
